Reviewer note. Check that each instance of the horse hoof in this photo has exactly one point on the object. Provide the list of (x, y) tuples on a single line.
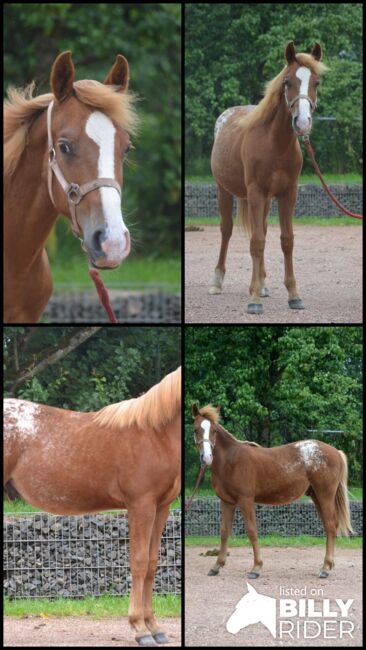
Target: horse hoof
[(160, 637), (214, 290), (146, 640), (255, 308), (264, 292), (296, 303), (253, 575), (213, 572), (323, 574)]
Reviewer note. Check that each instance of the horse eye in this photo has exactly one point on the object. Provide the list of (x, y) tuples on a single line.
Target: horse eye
[(65, 148)]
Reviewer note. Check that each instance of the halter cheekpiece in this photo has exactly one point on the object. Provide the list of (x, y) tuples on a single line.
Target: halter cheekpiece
[(75, 193)]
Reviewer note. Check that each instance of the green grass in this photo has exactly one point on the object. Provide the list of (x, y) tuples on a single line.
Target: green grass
[(133, 271), (94, 607), (273, 540), (355, 493), (20, 506), (343, 179), (297, 221)]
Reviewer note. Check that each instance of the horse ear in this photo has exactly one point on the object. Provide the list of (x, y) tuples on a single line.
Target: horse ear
[(62, 76), (316, 52), (118, 74), (290, 53), (218, 409), (195, 410)]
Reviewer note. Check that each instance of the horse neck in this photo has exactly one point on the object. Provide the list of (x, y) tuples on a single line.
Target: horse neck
[(281, 129), (29, 213), (224, 439)]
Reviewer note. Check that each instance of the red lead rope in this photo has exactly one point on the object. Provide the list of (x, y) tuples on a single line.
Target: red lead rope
[(310, 151), (103, 294)]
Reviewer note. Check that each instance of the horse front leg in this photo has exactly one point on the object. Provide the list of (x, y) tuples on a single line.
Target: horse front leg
[(150, 620), (257, 209), (141, 518), (225, 203), (247, 508), (227, 516), (286, 206)]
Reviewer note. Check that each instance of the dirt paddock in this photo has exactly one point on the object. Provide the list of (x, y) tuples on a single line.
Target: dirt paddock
[(328, 270), (72, 631), (210, 600)]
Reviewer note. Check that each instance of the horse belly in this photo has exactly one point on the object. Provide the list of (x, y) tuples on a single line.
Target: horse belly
[(283, 493), (226, 162)]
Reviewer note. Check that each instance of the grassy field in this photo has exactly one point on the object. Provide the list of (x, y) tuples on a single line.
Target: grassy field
[(133, 272), (20, 506), (94, 607), (354, 492), (192, 222), (274, 540)]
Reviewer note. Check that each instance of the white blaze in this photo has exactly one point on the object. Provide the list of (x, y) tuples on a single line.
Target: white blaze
[(207, 452), (100, 129), (304, 114)]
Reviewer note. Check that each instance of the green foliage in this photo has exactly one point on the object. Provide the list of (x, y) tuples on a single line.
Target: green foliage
[(233, 49), (149, 35), (112, 365), (274, 384)]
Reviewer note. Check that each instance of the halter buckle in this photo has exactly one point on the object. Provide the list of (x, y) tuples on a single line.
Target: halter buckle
[(74, 194), (51, 155)]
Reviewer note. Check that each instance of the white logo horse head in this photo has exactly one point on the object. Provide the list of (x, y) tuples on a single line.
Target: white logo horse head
[(253, 608)]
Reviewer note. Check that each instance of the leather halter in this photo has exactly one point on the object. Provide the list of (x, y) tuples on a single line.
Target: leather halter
[(291, 102), (75, 193)]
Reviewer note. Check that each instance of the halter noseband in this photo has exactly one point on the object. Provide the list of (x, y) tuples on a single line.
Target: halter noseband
[(74, 192), (294, 100)]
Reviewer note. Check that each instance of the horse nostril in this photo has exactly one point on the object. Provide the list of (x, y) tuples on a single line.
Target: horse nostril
[(97, 239)]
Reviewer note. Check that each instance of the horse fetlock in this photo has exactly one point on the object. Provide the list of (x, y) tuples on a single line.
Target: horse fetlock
[(218, 282)]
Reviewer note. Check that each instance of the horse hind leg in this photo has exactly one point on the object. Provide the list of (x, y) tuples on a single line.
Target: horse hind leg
[(328, 514), (225, 203), (141, 518), (150, 620)]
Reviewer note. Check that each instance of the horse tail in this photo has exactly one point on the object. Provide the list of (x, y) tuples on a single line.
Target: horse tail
[(243, 217), (341, 499)]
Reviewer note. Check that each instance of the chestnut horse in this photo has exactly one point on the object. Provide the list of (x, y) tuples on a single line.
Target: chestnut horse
[(63, 154), (126, 455), (244, 473), (257, 156)]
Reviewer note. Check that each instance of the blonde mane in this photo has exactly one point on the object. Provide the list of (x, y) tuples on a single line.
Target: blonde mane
[(21, 109), (267, 107), (210, 412), (153, 410)]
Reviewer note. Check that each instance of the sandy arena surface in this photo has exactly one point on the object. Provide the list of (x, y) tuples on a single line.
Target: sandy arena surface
[(71, 631), (210, 600), (328, 270)]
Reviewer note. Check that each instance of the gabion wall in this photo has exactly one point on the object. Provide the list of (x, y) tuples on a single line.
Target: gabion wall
[(53, 556), (84, 307), (301, 517), (312, 200)]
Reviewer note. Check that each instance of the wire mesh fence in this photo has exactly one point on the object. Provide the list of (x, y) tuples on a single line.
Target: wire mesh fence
[(49, 556), (203, 519), (149, 304), (200, 200)]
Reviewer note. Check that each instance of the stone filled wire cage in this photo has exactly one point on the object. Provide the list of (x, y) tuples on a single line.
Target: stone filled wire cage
[(155, 304), (299, 518), (53, 556), (200, 200)]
